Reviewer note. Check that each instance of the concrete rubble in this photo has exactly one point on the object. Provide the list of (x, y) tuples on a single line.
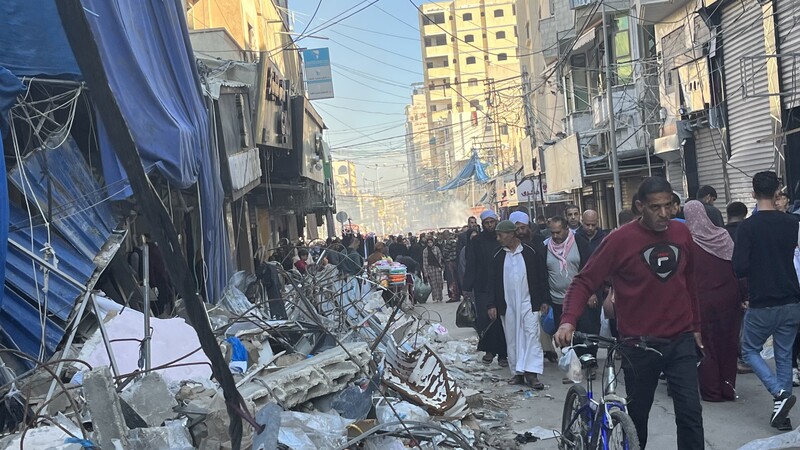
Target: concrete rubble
[(374, 374)]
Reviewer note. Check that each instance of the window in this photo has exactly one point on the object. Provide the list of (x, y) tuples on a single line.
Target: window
[(472, 82), (498, 13), (504, 130), (474, 103), (469, 38), (528, 30), (513, 9), (343, 170), (470, 60), (467, 17), (622, 51), (433, 18), (434, 41), (500, 35), (433, 108), (449, 106), (429, 64), (502, 56), (578, 86)]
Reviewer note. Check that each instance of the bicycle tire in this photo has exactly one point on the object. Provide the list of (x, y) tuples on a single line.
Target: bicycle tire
[(622, 426), (578, 433)]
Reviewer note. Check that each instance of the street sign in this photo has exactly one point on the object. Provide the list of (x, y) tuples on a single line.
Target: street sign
[(342, 217), (319, 81)]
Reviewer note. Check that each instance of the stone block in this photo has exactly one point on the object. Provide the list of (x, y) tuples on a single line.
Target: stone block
[(150, 397), (325, 373), (103, 403)]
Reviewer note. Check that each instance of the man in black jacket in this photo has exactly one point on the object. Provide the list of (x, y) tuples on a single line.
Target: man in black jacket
[(479, 251), (519, 293)]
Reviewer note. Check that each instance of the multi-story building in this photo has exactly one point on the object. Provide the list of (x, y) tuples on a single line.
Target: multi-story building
[(567, 60), (472, 84)]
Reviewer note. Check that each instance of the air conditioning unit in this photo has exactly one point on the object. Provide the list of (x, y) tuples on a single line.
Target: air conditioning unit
[(577, 4)]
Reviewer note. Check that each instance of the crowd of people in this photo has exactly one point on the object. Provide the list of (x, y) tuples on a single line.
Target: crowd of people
[(705, 294)]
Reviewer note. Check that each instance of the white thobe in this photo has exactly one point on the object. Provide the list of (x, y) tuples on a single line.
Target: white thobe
[(520, 323)]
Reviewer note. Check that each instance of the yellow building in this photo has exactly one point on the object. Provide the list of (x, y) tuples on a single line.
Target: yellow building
[(473, 84)]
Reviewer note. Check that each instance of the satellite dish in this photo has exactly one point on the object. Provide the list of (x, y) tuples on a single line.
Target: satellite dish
[(341, 216)]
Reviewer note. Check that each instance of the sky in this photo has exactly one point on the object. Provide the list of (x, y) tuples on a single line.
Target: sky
[(375, 58)]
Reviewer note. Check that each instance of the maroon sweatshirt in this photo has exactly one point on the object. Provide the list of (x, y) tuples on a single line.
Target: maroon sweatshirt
[(653, 278)]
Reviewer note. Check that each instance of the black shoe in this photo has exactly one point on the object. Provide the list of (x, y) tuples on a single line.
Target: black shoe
[(551, 356), (781, 406), (784, 425)]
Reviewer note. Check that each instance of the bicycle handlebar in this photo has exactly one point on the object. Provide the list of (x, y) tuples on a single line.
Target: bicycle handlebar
[(638, 342)]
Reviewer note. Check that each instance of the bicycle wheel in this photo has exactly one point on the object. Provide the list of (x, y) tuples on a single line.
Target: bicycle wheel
[(574, 433), (622, 435)]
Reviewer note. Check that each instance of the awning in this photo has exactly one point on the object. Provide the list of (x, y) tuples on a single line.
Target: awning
[(147, 55), (474, 168)]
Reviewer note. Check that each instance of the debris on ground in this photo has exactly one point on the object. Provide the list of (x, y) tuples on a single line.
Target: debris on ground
[(334, 369)]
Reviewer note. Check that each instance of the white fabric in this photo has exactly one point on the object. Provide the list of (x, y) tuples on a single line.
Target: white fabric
[(519, 217), (520, 323)]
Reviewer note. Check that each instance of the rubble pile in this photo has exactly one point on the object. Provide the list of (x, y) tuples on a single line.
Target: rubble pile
[(338, 370)]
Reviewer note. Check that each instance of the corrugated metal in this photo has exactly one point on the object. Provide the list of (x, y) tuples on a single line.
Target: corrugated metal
[(788, 12), (22, 328), (749, 122), (710, 150), (82, 224), (675, 177), (80, 210), (61, 293)]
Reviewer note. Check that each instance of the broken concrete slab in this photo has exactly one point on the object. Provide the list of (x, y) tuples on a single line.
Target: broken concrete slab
[(325, 373), (103, 403), (150, 397), (173, 436), (212, 432)]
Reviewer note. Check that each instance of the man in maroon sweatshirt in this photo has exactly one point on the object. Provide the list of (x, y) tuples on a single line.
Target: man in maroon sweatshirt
[(649, 263)]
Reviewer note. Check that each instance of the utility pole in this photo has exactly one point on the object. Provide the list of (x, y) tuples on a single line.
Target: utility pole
[(612, 125), (530, 130)]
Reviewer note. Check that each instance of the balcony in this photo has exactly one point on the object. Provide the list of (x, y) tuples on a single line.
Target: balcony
[(548, 38), (437, 50), (585, 11), (439, 72), (657, 10), (440, 93), (624, 103)]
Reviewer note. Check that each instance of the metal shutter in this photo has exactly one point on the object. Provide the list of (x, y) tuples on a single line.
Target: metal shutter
[(749, 122), (674, 172), (788, 12), (710, 153)]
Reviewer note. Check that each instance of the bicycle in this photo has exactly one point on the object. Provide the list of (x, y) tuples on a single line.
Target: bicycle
[(589, 423)]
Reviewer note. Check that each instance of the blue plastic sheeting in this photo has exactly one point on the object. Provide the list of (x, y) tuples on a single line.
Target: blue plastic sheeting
[(473, 168), (145, 51), (21, 326), (20, 273), (10, 88), (80, 212), (33, 41)]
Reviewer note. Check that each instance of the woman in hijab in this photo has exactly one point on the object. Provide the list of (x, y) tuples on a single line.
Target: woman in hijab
[(720, 304), (432, 268)]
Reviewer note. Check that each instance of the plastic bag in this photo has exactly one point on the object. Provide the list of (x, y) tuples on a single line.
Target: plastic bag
[(465, 314), (605, 326), (570, 364), (438, 332), (548, 322), (312, 431), (422, 290), (790, 439), (405, 410)]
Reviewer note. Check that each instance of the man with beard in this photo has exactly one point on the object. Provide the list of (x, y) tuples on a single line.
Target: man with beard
[(480, 250)]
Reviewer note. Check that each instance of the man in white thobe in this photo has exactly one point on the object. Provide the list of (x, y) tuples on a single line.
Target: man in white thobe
[(520, 289)]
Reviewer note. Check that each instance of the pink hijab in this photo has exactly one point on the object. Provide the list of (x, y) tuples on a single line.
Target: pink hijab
[(711, 238)]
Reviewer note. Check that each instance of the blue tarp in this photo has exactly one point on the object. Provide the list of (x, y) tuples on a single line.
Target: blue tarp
[(10, 87), (145, 51), (474, 168)]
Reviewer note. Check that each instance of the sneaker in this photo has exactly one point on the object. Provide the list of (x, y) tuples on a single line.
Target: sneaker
[(795, 377), (784, 425), (782, 404), (742, 368)]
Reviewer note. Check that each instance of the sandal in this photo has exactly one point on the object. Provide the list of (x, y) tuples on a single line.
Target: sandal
[(502, 362), (517, 379), (533, 383)]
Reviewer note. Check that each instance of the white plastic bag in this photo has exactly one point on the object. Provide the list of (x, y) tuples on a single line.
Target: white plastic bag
[(404, 409), (605, 327), (570, 364)]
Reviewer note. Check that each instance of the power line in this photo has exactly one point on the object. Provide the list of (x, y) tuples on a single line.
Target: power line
[(416, 39)]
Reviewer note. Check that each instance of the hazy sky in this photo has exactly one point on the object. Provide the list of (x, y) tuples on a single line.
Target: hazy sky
[(375, 58)]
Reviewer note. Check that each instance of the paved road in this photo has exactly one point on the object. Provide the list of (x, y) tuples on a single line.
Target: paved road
[(727, 425)]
